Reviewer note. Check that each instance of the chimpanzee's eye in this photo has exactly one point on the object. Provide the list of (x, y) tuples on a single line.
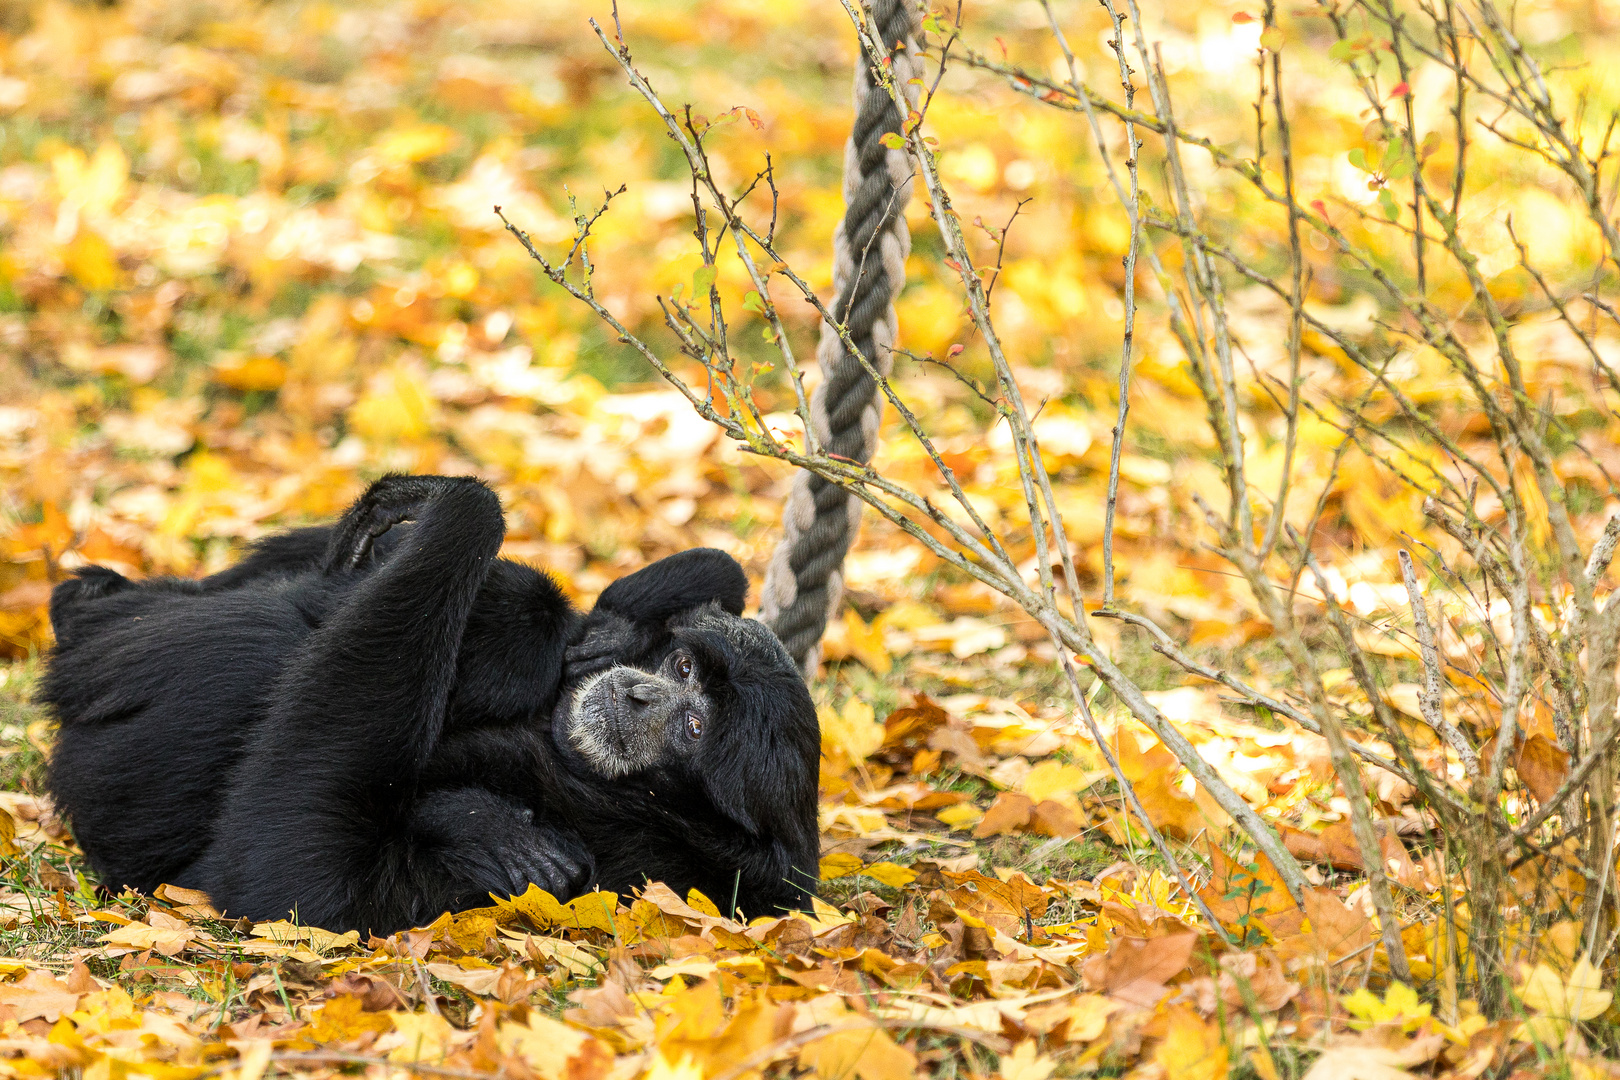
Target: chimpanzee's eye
[(683, 666), (694, 723)]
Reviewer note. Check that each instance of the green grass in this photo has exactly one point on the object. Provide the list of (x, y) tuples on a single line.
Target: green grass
[(22, 764)]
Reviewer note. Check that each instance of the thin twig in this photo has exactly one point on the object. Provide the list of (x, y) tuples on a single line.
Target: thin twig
[(1430, 700)]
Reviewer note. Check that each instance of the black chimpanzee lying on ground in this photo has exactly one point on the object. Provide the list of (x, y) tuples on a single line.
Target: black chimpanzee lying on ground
[(370, 723)]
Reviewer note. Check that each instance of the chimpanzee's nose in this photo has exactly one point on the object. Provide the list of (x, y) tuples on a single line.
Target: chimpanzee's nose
[(641, 693)]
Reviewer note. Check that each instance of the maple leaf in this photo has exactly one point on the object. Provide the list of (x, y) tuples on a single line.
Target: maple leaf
[(862, 1050), (853, 730), (1192, 1049), (37, 995), (1560, 1001), (1009, 813), (1400, 1006), (1137, 969), (1026, 1062)]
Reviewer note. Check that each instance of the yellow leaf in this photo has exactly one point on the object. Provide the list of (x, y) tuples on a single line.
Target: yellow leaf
[(93, 186), (343, 1019), (552, 1049), (965, 636), (698, 901), (866, 1052), (1400, 1004), (853, 729), (395, 407), (91, 261), (960, 816), (592, 911), (577, 960), (252, 1060), (1355, 1061), (1560, 1003), (141, 936), (460, 279), (1052, 778), (839, 864), (1088, 1016), (865, 643), (320, 940), (891, 874), (1192, 1049), (416, 142), (1026, 1063), (907, 615), (418, 1037), (662, 1069), (250, 373)]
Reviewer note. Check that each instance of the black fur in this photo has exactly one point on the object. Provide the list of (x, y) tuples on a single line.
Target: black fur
[(373, 722)]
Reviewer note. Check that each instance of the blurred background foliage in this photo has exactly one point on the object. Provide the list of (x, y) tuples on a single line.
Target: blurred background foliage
[(248, 260)]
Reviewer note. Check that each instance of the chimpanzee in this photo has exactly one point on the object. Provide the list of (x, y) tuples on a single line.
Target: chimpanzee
[(368, 723)]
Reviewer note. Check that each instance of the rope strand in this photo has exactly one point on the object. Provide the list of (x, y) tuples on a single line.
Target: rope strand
[(804, 584)]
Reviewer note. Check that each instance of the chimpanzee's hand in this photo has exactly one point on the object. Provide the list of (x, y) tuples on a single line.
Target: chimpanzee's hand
[(608, 640), (554, 859), (386, 503), (491, 845)]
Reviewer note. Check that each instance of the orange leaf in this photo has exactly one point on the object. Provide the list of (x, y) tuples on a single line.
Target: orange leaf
[(1336, 929), (1137, 969), (1542, 766), (1010, 812), (1052, 818), (1152, 773)]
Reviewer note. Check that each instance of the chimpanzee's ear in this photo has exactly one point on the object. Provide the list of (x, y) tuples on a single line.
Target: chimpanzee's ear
[(676, 584)]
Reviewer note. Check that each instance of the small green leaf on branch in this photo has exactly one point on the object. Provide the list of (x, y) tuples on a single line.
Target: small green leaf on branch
[(703, 280)]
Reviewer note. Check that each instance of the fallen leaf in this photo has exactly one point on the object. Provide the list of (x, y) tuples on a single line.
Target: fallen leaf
[(1136, 970), (1192, 1049), (1010, 812), (1560, 1002), (1026, 1062), (37, 995), (591, 911), (1373, 1059), (865, 1051)]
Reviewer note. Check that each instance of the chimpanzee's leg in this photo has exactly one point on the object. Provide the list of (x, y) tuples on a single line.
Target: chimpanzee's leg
[(322, 816)]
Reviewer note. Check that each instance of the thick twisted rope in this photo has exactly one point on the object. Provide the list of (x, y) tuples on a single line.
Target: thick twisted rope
[(804, 584)]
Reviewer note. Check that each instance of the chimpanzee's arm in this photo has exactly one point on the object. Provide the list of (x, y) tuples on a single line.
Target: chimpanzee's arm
[(678, 583), (283, 553), (630, 616), (323, 815)]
